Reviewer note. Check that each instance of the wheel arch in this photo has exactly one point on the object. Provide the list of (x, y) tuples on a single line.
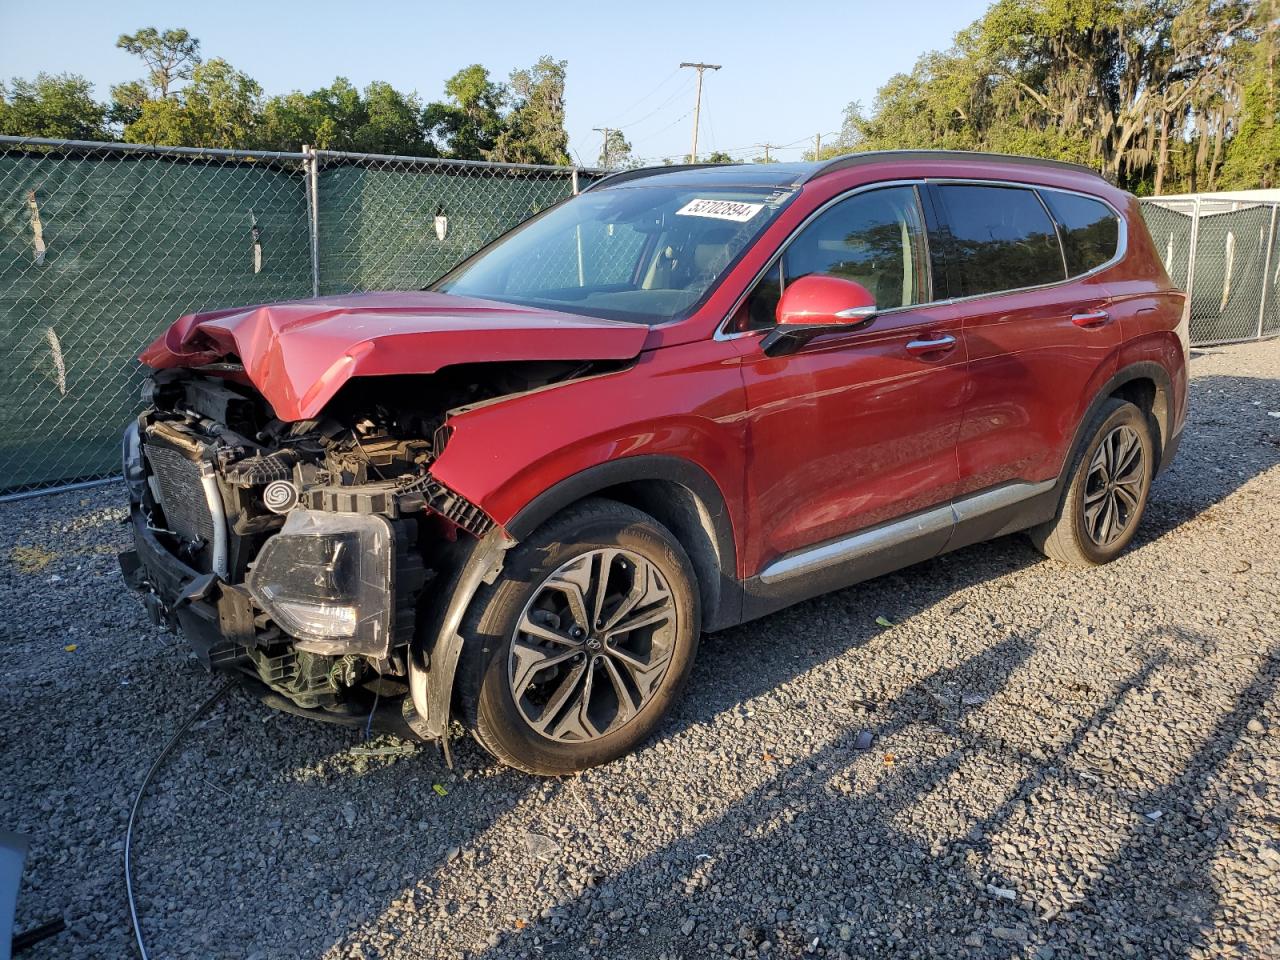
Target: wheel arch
[(1144, 383), (1147, 385), (678, 494)]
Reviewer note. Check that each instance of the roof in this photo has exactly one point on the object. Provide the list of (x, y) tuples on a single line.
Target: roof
[(795, 174)]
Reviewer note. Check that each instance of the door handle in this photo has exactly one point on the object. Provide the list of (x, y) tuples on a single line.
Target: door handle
[(933, 345), (1091, 319)]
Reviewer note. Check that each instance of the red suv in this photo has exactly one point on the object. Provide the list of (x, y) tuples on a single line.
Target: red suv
[(685, 398)]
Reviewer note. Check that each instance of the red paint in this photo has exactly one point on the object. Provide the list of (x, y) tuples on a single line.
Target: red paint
[(822, 299), (850, 431), (298, 354), (857, 427)]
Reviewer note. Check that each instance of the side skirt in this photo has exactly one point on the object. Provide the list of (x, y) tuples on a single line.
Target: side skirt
[(899, 543)]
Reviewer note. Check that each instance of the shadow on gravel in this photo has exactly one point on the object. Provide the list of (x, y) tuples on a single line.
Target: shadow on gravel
[(1160, 888), (817, 789), (1221, 451), (1155, 896)]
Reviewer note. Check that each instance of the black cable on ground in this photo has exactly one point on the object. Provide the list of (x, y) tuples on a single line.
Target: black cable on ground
[(137, 804)]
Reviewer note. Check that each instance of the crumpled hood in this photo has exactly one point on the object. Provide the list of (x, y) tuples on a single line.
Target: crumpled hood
[(298, 354)]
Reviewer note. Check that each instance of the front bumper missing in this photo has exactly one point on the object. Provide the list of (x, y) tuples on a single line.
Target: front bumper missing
[(217, 620)]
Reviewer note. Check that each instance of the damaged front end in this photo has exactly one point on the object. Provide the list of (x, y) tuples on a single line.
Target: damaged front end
[(319, 558)]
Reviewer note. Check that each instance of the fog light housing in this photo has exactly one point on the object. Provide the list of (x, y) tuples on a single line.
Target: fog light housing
[(326, 580)]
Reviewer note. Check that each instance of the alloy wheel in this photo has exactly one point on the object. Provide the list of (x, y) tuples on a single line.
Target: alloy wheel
[(1115, 486), (592, 645)]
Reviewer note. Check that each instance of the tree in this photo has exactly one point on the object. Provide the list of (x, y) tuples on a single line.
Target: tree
[(719, 156), (218, 108), (126, 102), (59, 106), (392, 122), (340, 117), (535, 126), (467, 125), (1133, 89), (615, 152), (170, 56), (1254, 157)]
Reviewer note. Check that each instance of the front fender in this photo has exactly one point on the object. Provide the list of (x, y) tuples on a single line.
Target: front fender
[(437, 643), (679, 404)]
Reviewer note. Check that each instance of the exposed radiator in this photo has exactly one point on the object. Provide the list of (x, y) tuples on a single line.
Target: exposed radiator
[(177, 485)]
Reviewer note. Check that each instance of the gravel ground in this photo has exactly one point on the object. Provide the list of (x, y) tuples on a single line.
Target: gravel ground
[(1063, 764)]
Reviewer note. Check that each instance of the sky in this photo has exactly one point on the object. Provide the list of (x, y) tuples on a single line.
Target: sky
[(788, 69)]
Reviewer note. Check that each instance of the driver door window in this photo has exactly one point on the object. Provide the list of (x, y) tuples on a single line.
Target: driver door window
[(876, 238)]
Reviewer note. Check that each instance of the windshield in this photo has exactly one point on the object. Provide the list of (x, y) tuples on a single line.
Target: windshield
[(647, 254)]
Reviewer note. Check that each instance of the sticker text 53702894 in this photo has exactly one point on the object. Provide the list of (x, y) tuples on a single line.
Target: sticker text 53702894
[(734, 210)]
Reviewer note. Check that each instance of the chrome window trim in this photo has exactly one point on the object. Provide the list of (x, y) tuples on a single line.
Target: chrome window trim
[(1122, 245)]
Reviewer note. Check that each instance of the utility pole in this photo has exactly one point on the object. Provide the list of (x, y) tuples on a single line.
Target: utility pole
[(767, 147), (817, 146), (697, 104), (605, 152)]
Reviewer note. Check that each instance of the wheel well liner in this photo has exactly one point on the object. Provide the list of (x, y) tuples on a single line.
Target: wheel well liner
[(678, 494), (1146, 385)]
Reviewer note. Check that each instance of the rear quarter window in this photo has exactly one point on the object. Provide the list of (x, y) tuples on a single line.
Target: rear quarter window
[(1090, 230), (1002, 239)]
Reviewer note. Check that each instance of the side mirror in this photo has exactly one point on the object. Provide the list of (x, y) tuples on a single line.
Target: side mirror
[(818, 303)]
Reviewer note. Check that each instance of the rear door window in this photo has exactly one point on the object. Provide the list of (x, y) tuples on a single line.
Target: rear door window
[(1002, 239), (1089, 229)]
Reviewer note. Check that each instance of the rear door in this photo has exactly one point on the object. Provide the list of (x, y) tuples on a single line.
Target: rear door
[(1038, 324)]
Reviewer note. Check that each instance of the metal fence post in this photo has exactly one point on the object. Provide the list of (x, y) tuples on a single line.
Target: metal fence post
[(1266, 270), (313, 214), (575, 181), (1191, 251)]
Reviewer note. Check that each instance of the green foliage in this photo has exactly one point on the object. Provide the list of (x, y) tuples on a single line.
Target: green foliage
[(615, 152), (1254, 157), (170, 56), (218, 108), (469, 123), (719, 156), (1150, 93), (60, 106), (534, 129)]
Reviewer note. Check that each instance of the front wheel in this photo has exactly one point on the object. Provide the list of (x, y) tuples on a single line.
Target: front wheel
[(581, 647), (1107, 492)]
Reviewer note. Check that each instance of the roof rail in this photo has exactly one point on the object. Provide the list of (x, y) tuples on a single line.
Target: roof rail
[(879, 156), (624, 176)]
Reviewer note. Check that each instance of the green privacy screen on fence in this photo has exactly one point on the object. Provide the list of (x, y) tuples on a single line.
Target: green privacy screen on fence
[(377, 218), (130, 243), (101, 247)]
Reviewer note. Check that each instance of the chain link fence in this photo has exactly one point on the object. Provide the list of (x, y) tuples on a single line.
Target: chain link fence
[(103, 245), (1223, 253)]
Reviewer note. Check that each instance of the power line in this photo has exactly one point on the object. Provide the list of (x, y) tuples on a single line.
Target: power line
[(679, 93), (665, 80)]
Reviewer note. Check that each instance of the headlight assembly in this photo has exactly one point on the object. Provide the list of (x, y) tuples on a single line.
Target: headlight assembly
[(326, 579)]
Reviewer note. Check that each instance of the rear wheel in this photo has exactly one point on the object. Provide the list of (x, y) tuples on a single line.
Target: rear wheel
[(1109, 486), (581, 647)]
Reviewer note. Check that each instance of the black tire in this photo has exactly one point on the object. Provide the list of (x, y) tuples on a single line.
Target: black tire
[(488, 669), (1072, 536)]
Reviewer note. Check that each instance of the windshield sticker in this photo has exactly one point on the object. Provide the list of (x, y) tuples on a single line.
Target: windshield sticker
[(733, 210)]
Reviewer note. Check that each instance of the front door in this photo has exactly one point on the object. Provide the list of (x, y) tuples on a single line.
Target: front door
[(859, 427)]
